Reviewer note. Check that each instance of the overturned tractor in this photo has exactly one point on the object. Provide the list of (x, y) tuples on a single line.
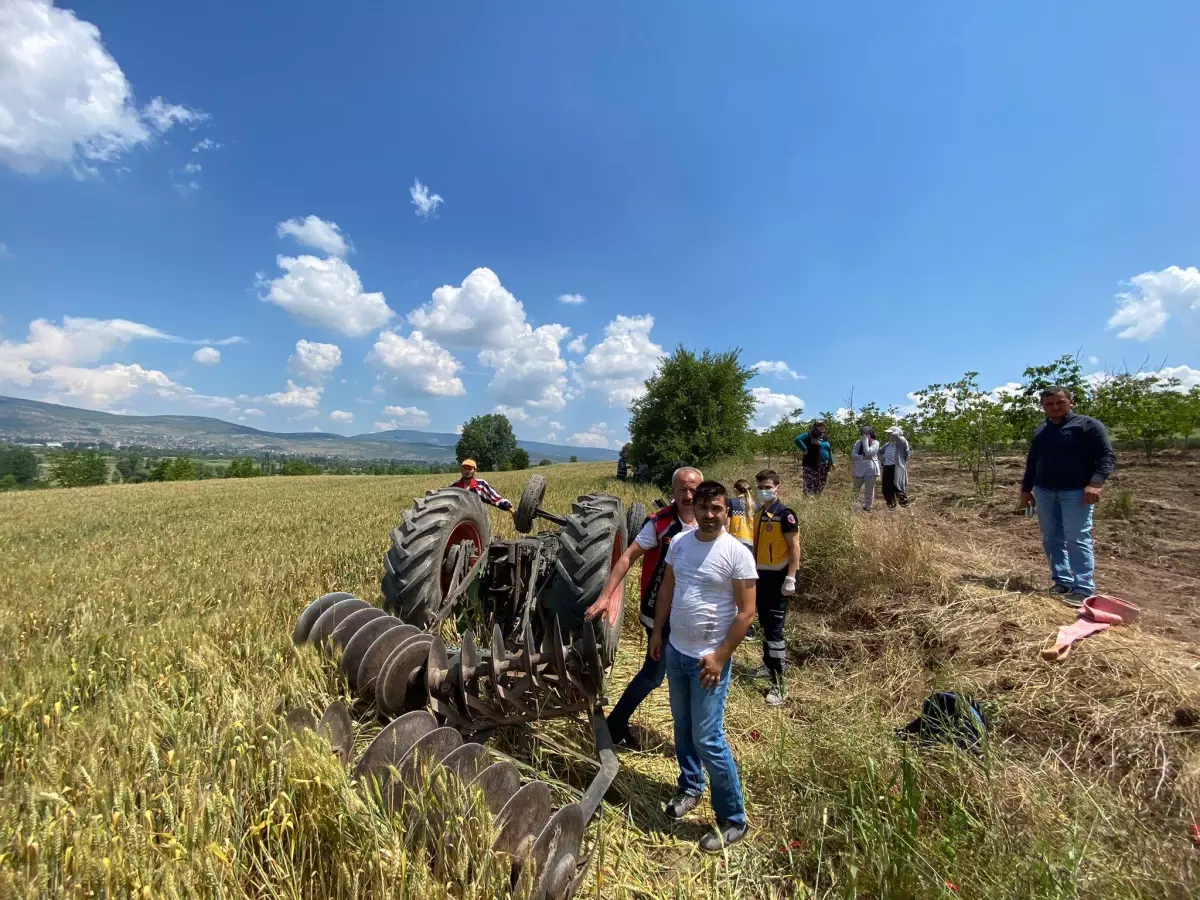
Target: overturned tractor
[(474, 635)]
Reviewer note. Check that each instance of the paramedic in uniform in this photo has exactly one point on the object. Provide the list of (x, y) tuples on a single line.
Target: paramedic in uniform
[(777, 557), (679, 517)]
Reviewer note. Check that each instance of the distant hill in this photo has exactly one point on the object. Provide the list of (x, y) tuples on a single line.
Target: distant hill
[(33, 421)]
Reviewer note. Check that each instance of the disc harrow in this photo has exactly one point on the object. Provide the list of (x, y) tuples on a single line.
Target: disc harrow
[(442, 700)]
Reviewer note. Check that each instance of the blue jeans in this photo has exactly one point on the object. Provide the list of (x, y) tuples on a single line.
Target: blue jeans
[(1066, 522), (649, 676), (699, 715)]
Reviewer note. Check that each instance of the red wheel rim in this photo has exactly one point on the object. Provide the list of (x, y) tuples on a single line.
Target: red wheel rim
[(463, 531)]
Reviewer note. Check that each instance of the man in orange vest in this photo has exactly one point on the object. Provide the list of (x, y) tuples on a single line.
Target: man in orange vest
[(652, 542)]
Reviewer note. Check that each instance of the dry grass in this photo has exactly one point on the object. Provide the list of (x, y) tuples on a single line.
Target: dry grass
[(145, 631)]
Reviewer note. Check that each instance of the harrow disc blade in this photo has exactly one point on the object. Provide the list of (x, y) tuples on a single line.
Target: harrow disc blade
[(301, 719), (391, 744), (556, 850), (437, 667), (312, 612), (336, 727), (467, 761), (377, 656), (401, 684), (553, 643), (522, 820), (498, 782), (349, 626), (425, 755), (593, 668), (498, 656), (356, 648), (332, 617)]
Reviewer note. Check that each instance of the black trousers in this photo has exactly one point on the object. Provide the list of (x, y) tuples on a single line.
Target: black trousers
[(890, 492), (772, 608)]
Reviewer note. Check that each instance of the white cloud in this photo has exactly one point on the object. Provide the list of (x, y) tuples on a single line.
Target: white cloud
[(513, 413), (1094, 360), (328, 292), (340, 415), (77, 340), (551, 437), (425, 202), (1188, 377), (3, 250), (253, 412), (64, 100), (296, 397), (1011, 389), (458, 429), (1153, 298), (572, 299), (598, 435), (315, 232), (206, 144), (186, 188), (315, 361), (620, 364), (417, 362), (578, 344), (771, 406), (208, 356), (403, 417), (481, 314), (769, 367), (192, 168)]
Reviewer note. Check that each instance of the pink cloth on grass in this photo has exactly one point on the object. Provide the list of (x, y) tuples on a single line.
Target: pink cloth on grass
[(1099, 612)]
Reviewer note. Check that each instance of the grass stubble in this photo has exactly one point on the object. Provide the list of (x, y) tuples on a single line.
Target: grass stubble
[(145, 636)]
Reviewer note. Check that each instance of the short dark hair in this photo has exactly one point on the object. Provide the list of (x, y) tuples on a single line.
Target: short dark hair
[(768, 475), (1057, 389), (710, 490)]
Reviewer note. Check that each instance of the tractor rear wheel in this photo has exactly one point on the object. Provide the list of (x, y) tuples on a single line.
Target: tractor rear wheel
[(415, 578), (588, 546), (634, 520)]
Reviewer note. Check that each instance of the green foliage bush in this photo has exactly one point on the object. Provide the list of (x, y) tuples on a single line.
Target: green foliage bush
[(489, 440), (19, 462)]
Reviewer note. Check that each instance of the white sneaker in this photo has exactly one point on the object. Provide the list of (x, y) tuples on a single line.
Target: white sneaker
[(776, 695)]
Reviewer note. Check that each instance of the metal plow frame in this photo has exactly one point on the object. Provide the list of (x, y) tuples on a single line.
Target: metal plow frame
[(437, 696)]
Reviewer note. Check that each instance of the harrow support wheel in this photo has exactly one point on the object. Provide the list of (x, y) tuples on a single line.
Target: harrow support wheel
[(531, 502), (415, 580), (634, 520)]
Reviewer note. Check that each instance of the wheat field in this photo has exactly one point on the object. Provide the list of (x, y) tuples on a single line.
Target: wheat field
[(147, 661)]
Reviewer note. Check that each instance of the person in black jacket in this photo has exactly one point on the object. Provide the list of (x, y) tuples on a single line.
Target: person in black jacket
[(1070, 458)]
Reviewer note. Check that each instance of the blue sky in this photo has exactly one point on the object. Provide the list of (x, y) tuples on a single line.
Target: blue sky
[(878, 198)]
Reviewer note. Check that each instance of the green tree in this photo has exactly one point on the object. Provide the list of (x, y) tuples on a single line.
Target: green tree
[(1187, 415), (696, 409), (1023, 408), (19, 462), (8, 482), (133, 468), (1140, 407), (573, 459), (961, 420), (489, 440), (77, 468), (779, 441), (519, 459), (546, 462), (299, 467)]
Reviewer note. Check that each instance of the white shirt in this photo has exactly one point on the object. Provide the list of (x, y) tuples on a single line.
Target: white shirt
[(702, 606), (647, 538), (866, 457)]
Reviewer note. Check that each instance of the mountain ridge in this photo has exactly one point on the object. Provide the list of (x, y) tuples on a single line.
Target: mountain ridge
[(35, 421)]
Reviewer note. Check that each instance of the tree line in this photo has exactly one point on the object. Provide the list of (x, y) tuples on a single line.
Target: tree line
[(697, 409)]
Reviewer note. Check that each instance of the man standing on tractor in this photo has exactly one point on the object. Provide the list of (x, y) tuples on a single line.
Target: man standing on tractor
[(489, 494), (777, 557), (679, 517)]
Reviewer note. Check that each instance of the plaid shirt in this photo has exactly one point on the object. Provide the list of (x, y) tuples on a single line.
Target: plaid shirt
[(484, 490)]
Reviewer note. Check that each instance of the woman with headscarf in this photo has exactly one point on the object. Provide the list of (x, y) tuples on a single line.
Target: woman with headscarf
[(895, 468), (866, 466), (816, 456)]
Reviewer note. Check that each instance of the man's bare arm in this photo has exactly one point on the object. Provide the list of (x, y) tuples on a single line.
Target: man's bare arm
[(662, 611), (612, 596)]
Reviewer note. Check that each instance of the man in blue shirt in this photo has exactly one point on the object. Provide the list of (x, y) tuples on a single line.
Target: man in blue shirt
[(1070, 457)]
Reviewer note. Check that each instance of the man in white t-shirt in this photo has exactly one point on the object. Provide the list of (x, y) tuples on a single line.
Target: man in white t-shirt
[(707, 595), (650, 547)]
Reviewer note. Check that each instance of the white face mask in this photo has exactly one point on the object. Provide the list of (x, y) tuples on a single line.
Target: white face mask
[(765, 495)]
